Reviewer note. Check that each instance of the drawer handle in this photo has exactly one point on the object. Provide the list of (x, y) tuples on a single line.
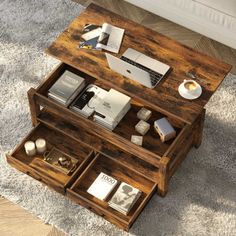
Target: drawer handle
[(34, 176), (91, 209)]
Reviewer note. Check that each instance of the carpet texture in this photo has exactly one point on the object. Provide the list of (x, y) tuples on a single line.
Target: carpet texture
[(201, 197)]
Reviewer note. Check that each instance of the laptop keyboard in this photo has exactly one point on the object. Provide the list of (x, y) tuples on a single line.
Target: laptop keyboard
[(154, 76)]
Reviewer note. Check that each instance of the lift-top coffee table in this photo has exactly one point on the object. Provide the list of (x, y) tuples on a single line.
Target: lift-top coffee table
[(148, 168)]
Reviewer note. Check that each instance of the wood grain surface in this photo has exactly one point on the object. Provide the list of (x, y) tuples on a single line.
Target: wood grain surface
[(165, 97), (120, 172), (16, 221), (42, 171)]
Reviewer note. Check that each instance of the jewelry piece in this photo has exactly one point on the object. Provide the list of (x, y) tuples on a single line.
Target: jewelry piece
[(64, 162), (192, 73), (46, 157)]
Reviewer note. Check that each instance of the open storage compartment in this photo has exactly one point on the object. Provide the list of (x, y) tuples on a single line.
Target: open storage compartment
[(78, 191), (152, 150), (36, 167)]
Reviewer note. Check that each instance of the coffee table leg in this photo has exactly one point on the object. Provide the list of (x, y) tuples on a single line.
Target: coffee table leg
[(163, 176), (34, 107), (199, 129)]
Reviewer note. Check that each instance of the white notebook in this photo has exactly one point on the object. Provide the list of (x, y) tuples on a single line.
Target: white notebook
[(110, 38), (102, 186)]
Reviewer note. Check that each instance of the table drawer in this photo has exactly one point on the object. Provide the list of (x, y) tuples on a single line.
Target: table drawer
[(37, 168), (78, 191)]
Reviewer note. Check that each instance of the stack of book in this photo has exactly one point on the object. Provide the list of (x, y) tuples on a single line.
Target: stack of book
[(124, 198), (88, 100), (102, 186), (111, 109), (66, 88)]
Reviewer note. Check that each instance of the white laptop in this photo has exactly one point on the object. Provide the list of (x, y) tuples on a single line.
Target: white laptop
[(139, 67)]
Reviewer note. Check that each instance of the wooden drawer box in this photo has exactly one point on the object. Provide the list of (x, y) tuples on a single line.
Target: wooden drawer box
[(39, 169), (78, 192)]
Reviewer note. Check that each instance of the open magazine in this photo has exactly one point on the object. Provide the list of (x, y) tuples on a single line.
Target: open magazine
[(106, 37)]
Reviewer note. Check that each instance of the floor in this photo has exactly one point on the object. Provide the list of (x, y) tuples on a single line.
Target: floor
[(12, 217)]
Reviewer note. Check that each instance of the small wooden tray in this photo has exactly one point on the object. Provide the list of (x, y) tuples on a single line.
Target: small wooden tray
[(53, 156)]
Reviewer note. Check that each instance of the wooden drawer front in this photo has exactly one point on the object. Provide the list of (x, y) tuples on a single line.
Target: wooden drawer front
[(78, 191), (179, 149), (187, 144), (41, 170), (34, 174)]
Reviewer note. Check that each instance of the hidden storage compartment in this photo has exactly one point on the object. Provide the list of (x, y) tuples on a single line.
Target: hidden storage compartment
[(42, 170), (120, 172), (55, 75), (152, 145), (151, 140)]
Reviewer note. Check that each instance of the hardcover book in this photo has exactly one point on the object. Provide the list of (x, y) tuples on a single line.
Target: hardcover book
[(112, 108), (124, 198), (106, 37), (102, 186), (66, 88), (110, 38)]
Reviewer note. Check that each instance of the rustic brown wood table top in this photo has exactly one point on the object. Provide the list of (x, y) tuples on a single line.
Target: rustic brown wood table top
[(164, 97)]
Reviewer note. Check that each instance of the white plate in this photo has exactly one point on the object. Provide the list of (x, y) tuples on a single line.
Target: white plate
[(196, 94)]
